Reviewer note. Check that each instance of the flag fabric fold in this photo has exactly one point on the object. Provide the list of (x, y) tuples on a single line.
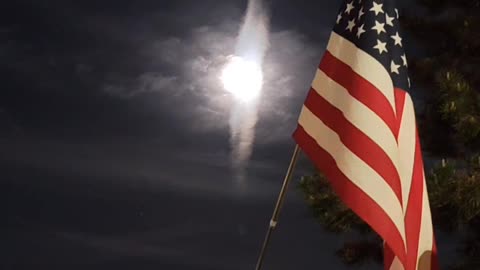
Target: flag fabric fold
[(358, 127)]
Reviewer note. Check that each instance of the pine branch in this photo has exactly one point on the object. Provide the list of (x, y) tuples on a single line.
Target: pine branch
[(327, 207)]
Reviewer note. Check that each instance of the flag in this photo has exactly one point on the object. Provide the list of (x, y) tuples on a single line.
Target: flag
[(358, 127)]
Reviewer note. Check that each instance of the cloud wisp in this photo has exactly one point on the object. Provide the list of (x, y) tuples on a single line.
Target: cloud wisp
[(252, 45)]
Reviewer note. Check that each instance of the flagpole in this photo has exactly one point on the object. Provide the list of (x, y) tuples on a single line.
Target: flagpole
[(278, 206)]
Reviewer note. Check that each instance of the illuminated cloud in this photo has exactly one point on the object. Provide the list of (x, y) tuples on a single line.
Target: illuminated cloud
[(189, 71)]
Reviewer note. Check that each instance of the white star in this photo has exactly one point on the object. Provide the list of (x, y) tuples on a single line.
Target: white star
[(404, 58), (394, 67), (389, 19), (339, 18), (381, 46), (396, 11), (349, 8), (377, 8), (398, 39), (360, 30), (379, 27), (351, 24), (360, 13)]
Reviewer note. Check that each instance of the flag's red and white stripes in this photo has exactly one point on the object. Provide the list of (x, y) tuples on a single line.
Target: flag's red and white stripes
[(361, 134), (418, 221)]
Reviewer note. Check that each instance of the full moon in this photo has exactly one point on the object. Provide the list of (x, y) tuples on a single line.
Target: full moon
[(242, 78)]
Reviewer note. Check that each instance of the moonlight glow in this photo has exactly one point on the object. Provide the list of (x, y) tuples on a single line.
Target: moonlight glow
[(242, 78)]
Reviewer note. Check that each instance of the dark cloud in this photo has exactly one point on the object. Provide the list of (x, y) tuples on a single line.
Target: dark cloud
[(95, 222), (8, 127)]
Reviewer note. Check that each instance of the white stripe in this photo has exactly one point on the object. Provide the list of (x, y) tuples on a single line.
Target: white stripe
[(363, 64), (425, 244), (358, 114), (354, 168), (406, 148), (396, 264)]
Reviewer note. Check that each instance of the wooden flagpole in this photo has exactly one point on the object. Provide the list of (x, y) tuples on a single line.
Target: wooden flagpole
[(278, 206)]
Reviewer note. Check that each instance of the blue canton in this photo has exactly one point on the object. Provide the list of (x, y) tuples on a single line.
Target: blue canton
[(373, 27)]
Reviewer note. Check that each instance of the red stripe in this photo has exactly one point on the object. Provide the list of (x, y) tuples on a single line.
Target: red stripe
[(364, 206), (359, 143), (413, 217), (388, 257), (359, 88)]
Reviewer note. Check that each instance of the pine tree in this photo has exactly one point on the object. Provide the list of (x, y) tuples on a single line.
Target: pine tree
[(447, 78)]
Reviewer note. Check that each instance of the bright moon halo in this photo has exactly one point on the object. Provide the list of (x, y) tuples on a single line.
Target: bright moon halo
[(242, 78)]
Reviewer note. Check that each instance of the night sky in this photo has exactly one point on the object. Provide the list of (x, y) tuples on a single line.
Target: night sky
[(114, 136)]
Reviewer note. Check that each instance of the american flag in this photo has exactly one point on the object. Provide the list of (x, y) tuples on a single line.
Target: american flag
[(358, 126)]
